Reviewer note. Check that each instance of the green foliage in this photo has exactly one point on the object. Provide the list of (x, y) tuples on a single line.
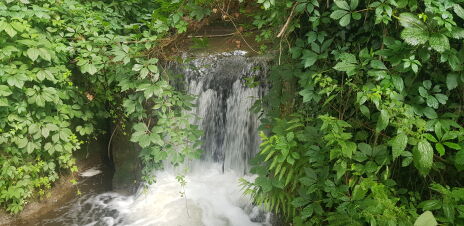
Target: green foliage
[(363, 113), (65, 65)]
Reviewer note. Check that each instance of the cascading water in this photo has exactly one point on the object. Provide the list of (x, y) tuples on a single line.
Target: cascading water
[(211, 195)]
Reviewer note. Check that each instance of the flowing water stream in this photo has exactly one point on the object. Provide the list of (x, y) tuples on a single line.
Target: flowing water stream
[(212, 194)]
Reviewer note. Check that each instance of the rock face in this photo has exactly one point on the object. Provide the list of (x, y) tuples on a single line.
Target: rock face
[(126, 162)]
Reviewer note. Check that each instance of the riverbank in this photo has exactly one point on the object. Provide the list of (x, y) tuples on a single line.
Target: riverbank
[(63, 191)]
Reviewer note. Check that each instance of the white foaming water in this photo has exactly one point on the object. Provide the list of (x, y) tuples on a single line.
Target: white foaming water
[(210, 198), (212, 194)]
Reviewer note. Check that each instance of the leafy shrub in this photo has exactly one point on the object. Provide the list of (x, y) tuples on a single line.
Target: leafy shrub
[(64, 66), (364, 123)]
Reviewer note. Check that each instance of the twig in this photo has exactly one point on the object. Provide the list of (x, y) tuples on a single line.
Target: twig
[(211, 36), (238, 31), (219, 35), (284, 28), (109, 142)]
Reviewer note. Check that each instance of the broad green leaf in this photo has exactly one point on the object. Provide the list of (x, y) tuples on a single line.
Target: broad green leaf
[(348, 149), (430, 205), (345, 20), (365, 111), (5, 91), (3, 24), (442, 98), (440, 149), (140, 127), (45, 54), (415, 36), (399, 143), (398, 82), (451, 81), (382, 121), (430, 113), (426, 219), (423, 92), (33, 53), (3, 103), (309, 58), (307, 211), (137, 67), (439, 42), (377, 64), (432, 101), (409, 20), (452, 145), (423, 157), (458, 10), (354, 4), (342, 4), (340, 168), (356, 16), (144, 72), (9, 30), (359, 193), (430, 137), (336, 15)]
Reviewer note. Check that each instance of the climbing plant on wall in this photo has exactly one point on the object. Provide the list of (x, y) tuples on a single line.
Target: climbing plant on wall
[(66, 65), (364, 113)]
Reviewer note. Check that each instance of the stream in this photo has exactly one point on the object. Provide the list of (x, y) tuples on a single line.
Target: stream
[(212, 195)]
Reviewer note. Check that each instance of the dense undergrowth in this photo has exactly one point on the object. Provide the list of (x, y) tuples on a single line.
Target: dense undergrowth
[(364, 114), (363, 119), (65, 66)]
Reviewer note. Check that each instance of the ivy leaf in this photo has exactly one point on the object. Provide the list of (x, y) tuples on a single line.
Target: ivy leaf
[(423, 157), (415, 36), (439, 42), (399, 144), (451, 81), (383, 120), (33, 53)]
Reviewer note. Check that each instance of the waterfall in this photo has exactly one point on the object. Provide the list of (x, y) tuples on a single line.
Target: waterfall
[(212, 194)]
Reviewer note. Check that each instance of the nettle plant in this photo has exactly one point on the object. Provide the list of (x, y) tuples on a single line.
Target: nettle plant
[(66, 65), (374, 135)]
